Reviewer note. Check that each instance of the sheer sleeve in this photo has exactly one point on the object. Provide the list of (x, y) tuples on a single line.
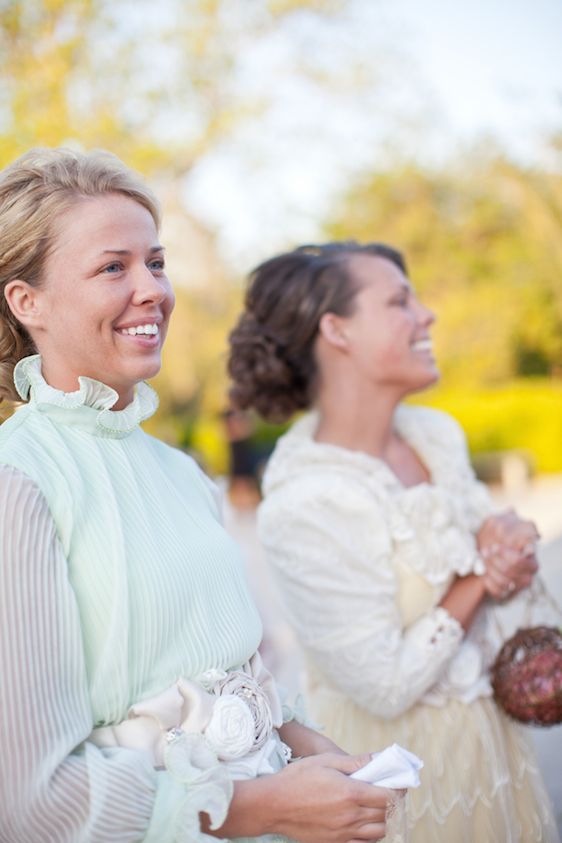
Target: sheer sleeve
[(332, 555), (54, 784)]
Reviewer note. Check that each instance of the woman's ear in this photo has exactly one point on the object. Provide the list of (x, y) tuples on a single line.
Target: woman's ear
[(331, 328), (24, 302)]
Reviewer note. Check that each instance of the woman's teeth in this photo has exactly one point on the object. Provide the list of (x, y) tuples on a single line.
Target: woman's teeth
[(422, 345), (140, 329)]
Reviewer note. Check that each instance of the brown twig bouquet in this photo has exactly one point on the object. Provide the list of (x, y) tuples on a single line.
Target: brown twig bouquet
[(527, 676)]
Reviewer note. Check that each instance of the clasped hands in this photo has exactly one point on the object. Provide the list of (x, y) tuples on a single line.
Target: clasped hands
[(507, 545)]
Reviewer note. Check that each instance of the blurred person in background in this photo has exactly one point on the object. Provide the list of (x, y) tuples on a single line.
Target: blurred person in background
[(134, 703), (244, 459), (386, 549)]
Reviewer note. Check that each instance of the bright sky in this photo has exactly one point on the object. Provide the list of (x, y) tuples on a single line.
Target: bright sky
[(437, 76), (492, 64)]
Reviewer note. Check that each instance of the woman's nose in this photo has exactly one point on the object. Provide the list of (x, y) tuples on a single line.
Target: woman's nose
[(426, 315), (149, 287)]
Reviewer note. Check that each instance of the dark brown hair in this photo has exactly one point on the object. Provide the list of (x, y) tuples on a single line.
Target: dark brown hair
[(271, 359)]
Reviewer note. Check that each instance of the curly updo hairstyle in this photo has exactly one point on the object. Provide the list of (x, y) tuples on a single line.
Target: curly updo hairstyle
[(271, 361), (35, 191)]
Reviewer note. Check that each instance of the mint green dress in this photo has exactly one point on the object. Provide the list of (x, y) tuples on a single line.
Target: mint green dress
[(116, 578)]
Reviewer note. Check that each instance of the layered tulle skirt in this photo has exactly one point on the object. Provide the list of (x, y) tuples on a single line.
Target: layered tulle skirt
[(481, 782)]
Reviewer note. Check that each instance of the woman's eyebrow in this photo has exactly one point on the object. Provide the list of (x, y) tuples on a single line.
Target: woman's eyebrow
[(128, 252)]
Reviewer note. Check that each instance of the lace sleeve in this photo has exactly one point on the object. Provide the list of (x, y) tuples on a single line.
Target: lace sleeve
[(333, 560), (54, 784)]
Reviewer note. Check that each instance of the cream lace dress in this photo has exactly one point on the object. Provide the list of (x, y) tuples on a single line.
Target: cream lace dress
[(362, 564)]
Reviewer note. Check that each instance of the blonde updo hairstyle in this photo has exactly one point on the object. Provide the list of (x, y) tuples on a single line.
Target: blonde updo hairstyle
[(35, 191)]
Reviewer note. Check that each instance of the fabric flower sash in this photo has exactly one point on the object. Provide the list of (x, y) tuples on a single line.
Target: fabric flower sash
[(207, 733), (235, 711)]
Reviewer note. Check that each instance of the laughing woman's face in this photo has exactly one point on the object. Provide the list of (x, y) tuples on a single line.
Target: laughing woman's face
[(104, 302), (388, 332)]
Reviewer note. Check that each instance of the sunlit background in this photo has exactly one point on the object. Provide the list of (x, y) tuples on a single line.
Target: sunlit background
[(434, 125), (261, 124)]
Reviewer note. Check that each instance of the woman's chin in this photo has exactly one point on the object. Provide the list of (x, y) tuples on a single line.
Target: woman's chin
[(124, 382), (428, 380), (146, 369)]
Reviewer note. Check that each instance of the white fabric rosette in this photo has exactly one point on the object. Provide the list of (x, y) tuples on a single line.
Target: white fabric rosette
[(207, 733), (245, 714), (247, 690), (231, 730), (235, 712)]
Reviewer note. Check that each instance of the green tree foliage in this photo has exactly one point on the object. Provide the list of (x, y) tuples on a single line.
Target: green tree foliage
[(155, 83), (158, 84), (484, 248), (56, 87), (482, 239)]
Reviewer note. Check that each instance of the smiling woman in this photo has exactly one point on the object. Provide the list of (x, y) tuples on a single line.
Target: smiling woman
[(134, 702), (105, 259), (386, 549)]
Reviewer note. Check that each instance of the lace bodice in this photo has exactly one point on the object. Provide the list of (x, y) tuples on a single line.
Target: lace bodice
[(363, 561)]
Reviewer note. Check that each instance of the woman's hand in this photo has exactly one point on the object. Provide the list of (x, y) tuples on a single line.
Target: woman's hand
[(312, 800), (507, 544), (507, 573), (509, 530), (321, 802)]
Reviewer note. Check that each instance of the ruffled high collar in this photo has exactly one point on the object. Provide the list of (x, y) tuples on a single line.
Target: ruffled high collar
[(89, 407)]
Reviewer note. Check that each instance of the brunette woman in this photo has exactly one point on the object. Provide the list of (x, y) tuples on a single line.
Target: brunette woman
[(385, 547)]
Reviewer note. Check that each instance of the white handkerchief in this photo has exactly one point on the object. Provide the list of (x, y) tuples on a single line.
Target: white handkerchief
[(393, 767)]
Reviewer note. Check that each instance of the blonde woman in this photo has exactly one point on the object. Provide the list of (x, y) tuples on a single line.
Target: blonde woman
[(134, 705), (384, 545)]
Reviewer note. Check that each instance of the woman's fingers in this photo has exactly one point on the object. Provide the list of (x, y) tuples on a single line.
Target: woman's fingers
[(522, 535), (497, 575), (505, 560), (507, 529), (373, 824), (370, 816), (496, 582), (508, 570), (373, 832), (528, 565), (500, 584), (375, 799), (343, 763), (318, 802), (512, 566)]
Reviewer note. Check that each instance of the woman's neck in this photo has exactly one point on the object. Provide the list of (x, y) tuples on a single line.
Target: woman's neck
[(360, 420), (367, 425)]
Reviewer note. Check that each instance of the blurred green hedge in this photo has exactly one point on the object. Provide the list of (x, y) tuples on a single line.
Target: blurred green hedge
[(524, 415)]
